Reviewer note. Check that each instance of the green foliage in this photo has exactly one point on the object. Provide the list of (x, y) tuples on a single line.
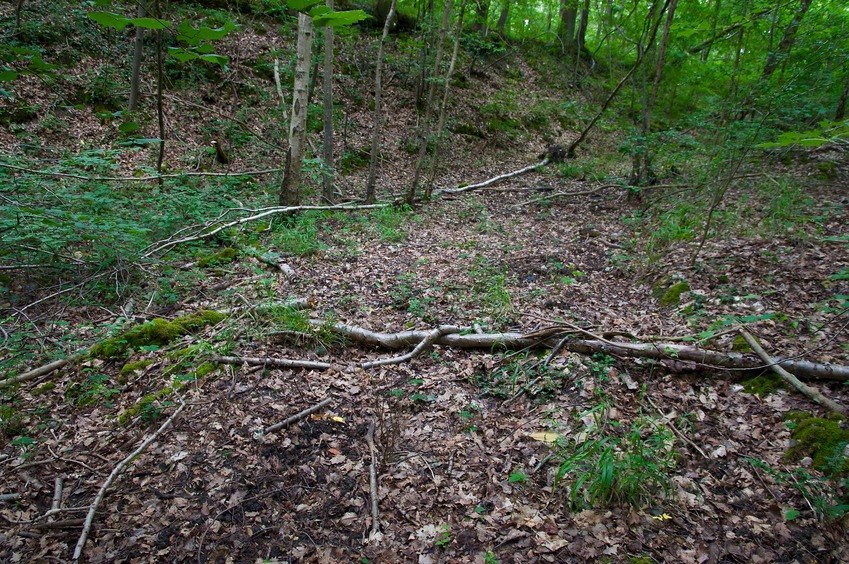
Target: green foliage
[(763, 385), (829, 500), (443, 538), (298, 235), (11, 421), (224, 256), (601, 468), (90, 389)]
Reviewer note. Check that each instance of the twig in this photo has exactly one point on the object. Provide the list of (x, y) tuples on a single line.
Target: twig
[(278, 362), (808, 391), (40, 371), (565, 194), (492, 180), (10, 497), (298, 416), (57, 495), (375, 534), (672, 428), (115, 472)]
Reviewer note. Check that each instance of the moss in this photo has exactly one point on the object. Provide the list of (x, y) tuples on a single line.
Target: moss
[(827, 170), (740, 345), (44, 388), (225, 255), (132, 367), (158, 332), (672, 296), (142, 405), (824, 440), (204, 369), (763, 385)]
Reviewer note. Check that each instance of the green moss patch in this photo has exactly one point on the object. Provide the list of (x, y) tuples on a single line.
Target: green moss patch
[(763, 385), (824, 440), (223, 256), (672, 295), (133, 367), (158, 332)]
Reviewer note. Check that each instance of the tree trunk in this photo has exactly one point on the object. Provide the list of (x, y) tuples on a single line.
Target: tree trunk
[(378, 91), (138, 52), (160, 112), (782, 51), (443, 108), (424, 131), (290, 191), (327, 189), (566, 29), (481, 24), (502, 19), (714, 20), (646, 173), (841, 104)]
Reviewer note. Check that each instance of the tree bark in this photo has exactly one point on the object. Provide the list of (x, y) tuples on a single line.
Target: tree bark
[(424, 131), (290, 192), (717, 6), (841, 104), (782, 51), (327, 189), (502, 19), (378, 92), (138, 53), (566, 29), (443, 108)]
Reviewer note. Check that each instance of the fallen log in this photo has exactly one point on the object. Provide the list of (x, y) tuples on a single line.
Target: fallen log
[(466, 338)]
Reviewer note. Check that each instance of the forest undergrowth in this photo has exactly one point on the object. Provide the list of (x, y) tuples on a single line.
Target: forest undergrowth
[(516, 454)]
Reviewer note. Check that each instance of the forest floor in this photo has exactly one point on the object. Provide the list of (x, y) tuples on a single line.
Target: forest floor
[(466, 461)]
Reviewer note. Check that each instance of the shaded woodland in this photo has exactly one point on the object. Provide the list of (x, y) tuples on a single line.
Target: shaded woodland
[(492, 281)]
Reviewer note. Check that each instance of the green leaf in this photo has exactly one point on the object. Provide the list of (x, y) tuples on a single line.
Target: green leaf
[(128, 127), (302, 5), (182, 55), (790, 514), (338, 19), (109, 19), (194, 36), (216, 59), (150, 23), (8, 75)]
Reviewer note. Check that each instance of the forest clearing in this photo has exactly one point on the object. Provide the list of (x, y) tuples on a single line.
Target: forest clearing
[(563, 281)]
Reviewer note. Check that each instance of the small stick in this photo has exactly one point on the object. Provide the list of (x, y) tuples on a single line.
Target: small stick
[(808, 391), (297, 416), (57, 496), (78, 551), (372, 471), (425, 343), (10, 497)]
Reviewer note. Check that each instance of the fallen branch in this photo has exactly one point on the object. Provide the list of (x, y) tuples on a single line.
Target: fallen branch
[(41, 370), (375, 535), (808, 391), (425, 343), (298, 416), (276, 362), (491, 180), (115, 472)]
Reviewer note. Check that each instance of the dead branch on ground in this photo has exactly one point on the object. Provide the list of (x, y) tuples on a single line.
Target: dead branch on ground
[(808, 391), (492, 180), (78, 550), (298, 416), (375, 535)]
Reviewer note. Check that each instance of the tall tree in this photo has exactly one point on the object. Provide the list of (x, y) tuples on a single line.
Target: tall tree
[(776, 56), (290, 194), (327, 187), (566, 29), (378, 92)]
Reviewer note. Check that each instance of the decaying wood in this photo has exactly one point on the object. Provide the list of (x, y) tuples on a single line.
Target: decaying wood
[(298, 416), (78, 550), (40, 371), (276, 362), (375, 535), (808, 391)]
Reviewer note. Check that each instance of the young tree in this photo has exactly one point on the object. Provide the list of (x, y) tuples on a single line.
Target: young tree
[(138, 53), (290, 194), (327, 187), (378, 92), (776, 56)]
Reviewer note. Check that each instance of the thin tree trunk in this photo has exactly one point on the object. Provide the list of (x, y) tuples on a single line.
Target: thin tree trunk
[(566, 29), (160, 112), (290, 192), (841, 104), (378, 91), (425, 128), (19, 8), (138, 52), (502, 19), (570, 151), (714, 20), (327, 190), (443, 108), (782, 51)]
